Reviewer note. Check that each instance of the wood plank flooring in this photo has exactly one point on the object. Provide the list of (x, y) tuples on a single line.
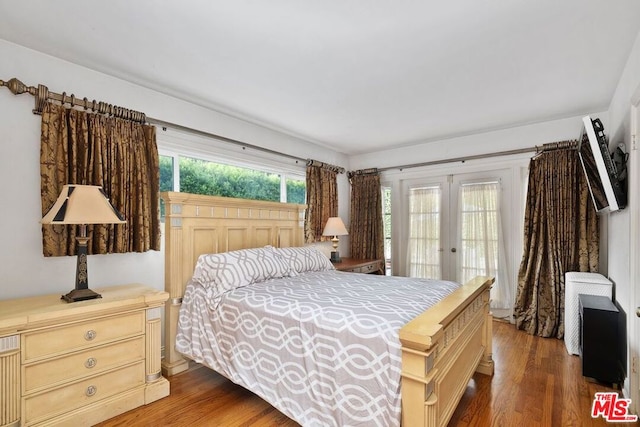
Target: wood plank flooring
[(536, 383)]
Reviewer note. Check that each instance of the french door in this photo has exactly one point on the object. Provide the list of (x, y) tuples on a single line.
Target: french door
[(454, 228)]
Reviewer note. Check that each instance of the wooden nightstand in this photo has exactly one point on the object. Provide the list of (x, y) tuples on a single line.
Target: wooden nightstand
[(80, 363), (355, 265)]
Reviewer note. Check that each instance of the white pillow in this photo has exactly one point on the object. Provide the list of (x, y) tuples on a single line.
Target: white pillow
[(223, 272), (302, 259)]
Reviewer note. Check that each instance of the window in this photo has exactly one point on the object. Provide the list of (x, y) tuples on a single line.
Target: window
[(386, 227), (166, 179), (296, 190), (199, 176), (192, 163)]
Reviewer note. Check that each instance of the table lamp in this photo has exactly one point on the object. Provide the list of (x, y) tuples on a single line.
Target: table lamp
[(82, 205), (335, 227)]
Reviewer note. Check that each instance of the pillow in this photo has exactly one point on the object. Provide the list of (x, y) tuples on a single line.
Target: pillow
[(301, 259), (226, 271)]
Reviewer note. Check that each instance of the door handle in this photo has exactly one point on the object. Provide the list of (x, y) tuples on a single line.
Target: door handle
[(638, 311), (453, 250)]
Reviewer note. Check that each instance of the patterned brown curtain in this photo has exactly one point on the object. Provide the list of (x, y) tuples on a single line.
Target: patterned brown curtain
[(78, 147), (561, 233), (322, 200), (366, 234)]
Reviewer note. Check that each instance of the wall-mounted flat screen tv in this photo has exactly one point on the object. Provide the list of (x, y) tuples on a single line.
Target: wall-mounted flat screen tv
[(606, 190)]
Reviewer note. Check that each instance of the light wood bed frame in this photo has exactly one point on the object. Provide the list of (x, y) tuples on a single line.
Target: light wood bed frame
[(441, 348)]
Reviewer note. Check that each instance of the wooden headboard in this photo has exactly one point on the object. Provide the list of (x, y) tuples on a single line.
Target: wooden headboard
[(196, 224)]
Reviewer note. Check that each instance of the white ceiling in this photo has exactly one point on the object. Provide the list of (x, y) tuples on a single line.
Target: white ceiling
[(355, 75)]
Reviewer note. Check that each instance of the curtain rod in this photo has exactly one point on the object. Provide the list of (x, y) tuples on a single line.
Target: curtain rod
[(462, 159), (164, 125), (323, 165), (369, 171), (570, 144), (42, 94), (308, 162)]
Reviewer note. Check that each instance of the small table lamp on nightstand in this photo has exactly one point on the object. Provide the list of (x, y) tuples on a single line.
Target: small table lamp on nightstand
[(82, 205), (335, 227)]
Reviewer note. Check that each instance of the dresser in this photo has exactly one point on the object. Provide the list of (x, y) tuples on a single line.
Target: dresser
[(80, 363), (355, 265)]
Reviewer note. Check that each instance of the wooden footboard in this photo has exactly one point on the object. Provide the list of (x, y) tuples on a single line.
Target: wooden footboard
[(441, 349)]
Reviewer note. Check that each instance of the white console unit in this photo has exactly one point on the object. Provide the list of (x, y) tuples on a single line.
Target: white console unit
[(576, 283)]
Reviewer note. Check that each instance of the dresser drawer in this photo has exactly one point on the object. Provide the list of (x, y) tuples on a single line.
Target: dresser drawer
[(56, 401), (357, 265), (81, 364), (370, 268), (78, 336)]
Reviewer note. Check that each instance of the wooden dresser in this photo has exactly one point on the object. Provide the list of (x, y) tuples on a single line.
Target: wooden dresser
[(80, 363), (355, 265)]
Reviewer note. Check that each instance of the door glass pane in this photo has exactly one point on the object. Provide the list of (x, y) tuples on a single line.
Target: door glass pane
[(479, 228), (424, 232)]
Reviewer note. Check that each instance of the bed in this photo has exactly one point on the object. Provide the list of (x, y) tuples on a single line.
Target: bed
[(440, 348)]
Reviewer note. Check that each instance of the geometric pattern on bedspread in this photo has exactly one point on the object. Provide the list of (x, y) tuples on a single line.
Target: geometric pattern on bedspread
[(322, 347)]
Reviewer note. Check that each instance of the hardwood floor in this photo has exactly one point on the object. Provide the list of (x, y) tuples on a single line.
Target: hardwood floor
[(536, 383)]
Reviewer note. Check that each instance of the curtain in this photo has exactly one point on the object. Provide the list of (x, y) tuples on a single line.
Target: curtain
[(78, 147), (322, 201), (424, 249), (560, 234), (481, 243), (366, 234)]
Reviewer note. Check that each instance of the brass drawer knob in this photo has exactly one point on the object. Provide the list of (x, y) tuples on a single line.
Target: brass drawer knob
[(90, 363), (90, 335), (91, 390)]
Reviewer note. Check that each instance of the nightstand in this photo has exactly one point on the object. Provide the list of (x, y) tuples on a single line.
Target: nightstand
[(80, 363), (355, 265)]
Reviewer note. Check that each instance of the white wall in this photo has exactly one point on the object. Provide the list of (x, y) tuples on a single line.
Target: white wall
[(620, 239), (619, 131), (481, 143), (23, 269)]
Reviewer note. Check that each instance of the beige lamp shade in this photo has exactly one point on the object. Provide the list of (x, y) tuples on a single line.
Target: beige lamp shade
[(82, 204), (334, 227)]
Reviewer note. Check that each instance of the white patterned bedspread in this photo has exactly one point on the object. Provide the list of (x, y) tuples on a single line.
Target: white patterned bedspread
[(321, 347)]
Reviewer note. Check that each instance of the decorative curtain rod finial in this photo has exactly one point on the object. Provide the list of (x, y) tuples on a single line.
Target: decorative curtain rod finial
[(42, 95), (17, 87)]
